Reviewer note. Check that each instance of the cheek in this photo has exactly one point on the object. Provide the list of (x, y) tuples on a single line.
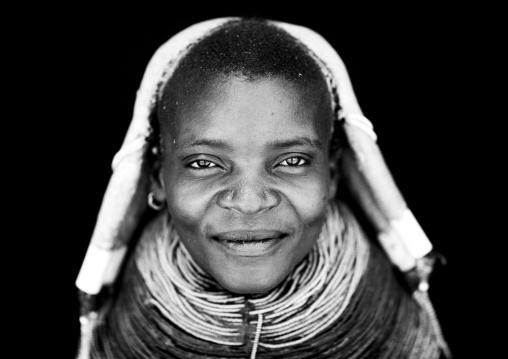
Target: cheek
[(187, 199), (186, 203), (310, 197)]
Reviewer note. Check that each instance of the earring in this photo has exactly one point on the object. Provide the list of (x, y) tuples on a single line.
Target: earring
[(153, 203)]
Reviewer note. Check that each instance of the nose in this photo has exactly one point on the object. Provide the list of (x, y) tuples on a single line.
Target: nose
[(249, 198)]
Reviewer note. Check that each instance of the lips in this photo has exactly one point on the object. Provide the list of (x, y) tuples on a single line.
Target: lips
[(248, 236), (250, 243)]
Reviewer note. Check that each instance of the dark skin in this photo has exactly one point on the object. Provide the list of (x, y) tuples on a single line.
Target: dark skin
[(247, 177)]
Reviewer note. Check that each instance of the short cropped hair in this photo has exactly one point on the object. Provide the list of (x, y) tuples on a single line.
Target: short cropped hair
[(249, 49)]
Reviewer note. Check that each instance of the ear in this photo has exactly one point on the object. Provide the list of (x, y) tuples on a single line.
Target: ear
[(156, 181), (334, 174)]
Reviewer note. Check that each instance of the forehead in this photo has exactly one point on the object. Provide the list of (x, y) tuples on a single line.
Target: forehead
[(240, 110)]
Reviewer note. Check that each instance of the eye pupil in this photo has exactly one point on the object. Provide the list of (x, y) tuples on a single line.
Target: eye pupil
[(202, 164), (294, 162)]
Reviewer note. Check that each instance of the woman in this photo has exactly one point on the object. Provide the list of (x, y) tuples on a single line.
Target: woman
[(249, 146)]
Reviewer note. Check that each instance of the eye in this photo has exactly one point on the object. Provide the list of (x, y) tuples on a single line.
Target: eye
[(202, 164), (294, 161)]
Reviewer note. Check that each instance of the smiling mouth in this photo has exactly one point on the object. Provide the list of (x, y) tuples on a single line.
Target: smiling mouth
[(249, 236), (250, 243)]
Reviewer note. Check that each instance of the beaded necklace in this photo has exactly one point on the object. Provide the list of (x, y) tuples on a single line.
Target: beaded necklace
[(341, 301)]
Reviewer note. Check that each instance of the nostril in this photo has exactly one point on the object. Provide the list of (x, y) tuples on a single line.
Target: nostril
[(226, 198), (229, 195), (272, 197), (248, 201)]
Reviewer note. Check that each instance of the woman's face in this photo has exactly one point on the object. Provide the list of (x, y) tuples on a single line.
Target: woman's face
[(246, 177)]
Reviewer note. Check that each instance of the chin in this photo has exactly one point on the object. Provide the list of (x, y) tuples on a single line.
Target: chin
[(249, 288), (251, 281)]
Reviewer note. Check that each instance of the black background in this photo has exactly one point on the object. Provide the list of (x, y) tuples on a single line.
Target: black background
[(420, 74)]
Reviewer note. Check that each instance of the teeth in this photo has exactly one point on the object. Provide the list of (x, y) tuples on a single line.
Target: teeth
[(251, 243)]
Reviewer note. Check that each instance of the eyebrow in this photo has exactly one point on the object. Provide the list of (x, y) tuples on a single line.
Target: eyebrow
[(297, 141), (275, 145), (207, 142)]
